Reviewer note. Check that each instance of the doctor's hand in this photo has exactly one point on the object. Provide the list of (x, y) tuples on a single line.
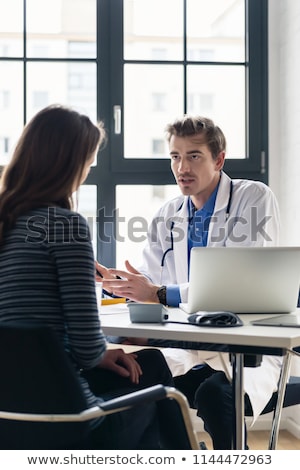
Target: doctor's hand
[(102, 271), (122, 364), (133, 285)]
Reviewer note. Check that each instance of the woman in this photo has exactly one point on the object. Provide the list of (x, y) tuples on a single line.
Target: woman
[(47, 274)]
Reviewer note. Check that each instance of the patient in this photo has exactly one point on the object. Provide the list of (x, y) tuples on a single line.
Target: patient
[(48, 275)]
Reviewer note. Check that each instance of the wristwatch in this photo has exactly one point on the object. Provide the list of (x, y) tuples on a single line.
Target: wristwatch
[(162, 295)]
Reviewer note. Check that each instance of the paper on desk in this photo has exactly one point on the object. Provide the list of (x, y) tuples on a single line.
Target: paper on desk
[(113, 308)]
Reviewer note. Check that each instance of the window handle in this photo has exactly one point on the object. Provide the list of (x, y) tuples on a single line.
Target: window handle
[(262, 162), (117, 118)]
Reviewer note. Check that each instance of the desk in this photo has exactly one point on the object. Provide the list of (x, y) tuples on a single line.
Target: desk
[(248, 339)]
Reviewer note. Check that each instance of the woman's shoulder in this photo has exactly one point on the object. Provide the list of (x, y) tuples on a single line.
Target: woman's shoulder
[(56, 214), (57, 224)]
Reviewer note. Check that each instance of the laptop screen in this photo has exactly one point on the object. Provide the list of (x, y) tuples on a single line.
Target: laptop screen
[(244, 279)]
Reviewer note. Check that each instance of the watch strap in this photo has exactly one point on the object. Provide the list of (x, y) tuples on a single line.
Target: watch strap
[(162, 295)]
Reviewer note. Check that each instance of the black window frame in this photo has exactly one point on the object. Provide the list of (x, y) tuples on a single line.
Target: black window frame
[(113, 169)]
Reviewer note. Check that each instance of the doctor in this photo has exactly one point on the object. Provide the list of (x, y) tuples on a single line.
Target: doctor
[(213, 210)]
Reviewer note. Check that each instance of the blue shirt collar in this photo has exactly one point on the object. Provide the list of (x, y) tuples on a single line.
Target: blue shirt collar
[(208, 207)]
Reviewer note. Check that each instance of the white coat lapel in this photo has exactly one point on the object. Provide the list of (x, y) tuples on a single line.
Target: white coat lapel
[(216, 226), (180, 231)]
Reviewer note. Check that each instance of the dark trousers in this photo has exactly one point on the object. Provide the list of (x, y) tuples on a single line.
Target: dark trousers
[(150, 426), (211, 394)]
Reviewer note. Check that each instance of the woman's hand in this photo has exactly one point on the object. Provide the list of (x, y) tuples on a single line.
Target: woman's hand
[(122, 364)]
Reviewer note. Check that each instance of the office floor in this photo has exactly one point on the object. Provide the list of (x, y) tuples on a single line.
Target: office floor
[(258, 440)]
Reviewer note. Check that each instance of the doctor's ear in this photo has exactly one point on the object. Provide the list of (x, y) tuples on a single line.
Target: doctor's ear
[(220, 160)]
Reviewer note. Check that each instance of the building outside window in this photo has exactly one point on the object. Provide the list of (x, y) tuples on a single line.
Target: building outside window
[(122, 62)]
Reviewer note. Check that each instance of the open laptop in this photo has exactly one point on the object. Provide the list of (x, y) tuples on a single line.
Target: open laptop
[(244, 279)]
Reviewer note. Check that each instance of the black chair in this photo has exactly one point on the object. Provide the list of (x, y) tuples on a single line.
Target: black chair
[(42, 405)]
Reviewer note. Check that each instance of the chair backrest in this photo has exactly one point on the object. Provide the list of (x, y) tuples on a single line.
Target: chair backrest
[(36, 376), (291, 397)]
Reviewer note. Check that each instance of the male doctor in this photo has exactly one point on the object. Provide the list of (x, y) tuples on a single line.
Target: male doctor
[(213, 210)]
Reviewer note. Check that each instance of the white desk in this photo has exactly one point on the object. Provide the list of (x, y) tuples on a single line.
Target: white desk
[(248, 339)]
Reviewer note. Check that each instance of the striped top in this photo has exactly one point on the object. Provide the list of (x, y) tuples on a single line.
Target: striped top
[(47, 275)]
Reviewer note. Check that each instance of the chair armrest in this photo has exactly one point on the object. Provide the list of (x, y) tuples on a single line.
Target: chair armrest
[(156, 392)]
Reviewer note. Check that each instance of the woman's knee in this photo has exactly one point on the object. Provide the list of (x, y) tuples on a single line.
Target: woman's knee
[(151, 356), (154, 366)]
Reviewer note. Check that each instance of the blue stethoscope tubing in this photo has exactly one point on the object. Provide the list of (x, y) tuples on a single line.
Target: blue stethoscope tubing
[(162, 263)]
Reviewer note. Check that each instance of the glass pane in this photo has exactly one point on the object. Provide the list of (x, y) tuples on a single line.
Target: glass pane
[(216, 30), (210, 93), (11, 107), (150, 107), (11, 28), (87, 202), (74, 85), (153, 30), (137, 205), (61, 28)]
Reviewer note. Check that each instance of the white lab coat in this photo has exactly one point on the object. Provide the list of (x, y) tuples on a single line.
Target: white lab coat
[(253, 221)]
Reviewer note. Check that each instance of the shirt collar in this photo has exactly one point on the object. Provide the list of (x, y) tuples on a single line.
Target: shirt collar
[(208, 207)]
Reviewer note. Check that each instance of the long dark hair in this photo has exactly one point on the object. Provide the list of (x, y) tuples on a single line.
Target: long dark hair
[(47, 163)]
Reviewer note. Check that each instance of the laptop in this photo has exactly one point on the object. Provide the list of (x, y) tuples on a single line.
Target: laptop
[(244, 279), (291, 321)]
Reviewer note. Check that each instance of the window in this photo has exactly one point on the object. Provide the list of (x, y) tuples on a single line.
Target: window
[(4, 149), (40, 99), (4, 99), (201, 54), (158, 147), (159, 54), (200, 103), (122, 62), (159, 101), (4, 142)]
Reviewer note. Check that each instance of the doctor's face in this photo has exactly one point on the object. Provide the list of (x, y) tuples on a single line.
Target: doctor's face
[(196, 172)]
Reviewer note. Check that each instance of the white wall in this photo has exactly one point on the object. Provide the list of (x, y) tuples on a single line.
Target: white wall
[(284, 133), (284, 113)]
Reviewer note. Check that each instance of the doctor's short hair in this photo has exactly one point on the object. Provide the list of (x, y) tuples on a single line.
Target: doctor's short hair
[(188, 126)]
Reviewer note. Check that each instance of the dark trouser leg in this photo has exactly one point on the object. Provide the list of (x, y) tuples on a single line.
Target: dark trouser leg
[(213, 401), (172, 428), (138, 427), (189, 382)]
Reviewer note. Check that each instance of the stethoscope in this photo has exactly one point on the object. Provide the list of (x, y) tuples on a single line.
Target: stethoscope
[(229, 201), (162, 263), (171, 248)]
